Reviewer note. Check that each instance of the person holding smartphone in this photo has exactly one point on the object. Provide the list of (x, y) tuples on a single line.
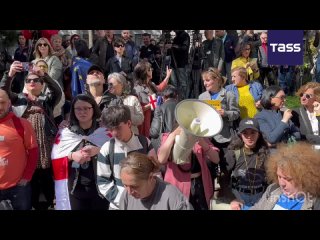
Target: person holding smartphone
[(37, 107)]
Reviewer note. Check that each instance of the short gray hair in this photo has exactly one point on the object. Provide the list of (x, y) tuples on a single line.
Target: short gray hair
[(122, 80)]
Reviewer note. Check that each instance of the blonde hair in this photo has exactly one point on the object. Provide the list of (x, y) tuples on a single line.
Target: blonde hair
[(312, 85), (301, 162), (42, 61), (241, 71), (214, 73), (140, 165), (37, 53)]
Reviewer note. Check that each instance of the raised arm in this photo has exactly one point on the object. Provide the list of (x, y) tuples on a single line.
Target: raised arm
[(7, 78)]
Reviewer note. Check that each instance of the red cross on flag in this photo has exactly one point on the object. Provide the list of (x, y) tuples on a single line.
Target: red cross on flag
[(153, 101), (65, 142)]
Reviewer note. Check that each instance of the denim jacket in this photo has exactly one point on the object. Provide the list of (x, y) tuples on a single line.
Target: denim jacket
[(255, 89)]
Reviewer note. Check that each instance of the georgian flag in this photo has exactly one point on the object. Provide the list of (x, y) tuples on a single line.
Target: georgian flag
[(153, 101), (64, 143)]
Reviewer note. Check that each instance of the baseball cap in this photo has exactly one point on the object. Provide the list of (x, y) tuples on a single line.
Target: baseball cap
[(95, 67), (248, 123)]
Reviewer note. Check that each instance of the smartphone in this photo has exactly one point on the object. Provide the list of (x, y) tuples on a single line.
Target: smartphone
[(26, 66), (254, 61)]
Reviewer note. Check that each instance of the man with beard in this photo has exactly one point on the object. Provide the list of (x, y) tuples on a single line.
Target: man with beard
[(18, 156)]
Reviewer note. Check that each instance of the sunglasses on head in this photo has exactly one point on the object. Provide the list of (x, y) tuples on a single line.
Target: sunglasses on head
[(43, 44), (307, 96), (35, 80)]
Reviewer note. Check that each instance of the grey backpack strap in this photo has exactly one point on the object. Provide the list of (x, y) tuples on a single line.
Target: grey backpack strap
[(144, 142)]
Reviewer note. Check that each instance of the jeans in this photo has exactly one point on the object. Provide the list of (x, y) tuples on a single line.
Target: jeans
[(20, 196), (42, 183), (179, 79), (266, 72), (249, 199), (286, 79), (196, 83), (87, 198), (197, 196), (226, 71)]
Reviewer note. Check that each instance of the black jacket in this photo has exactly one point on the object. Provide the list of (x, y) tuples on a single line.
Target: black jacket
[(48, 102), (114, 66), (180, 54), (214, 53), (166, 113), (301, 120)]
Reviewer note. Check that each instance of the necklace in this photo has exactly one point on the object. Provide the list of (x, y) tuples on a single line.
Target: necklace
[(98, 99), (251, 182)]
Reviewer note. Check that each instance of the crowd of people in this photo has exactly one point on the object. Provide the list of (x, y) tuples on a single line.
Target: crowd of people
[(95, 128)]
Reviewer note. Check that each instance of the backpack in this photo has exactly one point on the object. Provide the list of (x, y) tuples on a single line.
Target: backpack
[(142, 139)]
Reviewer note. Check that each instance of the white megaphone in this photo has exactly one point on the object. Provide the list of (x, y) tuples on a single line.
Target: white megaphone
[(197, 119)]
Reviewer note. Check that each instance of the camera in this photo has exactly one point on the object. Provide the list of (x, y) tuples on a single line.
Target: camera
[(27, 66)]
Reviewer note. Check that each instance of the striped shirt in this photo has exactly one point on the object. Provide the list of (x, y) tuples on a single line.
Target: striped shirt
[(108, 180)]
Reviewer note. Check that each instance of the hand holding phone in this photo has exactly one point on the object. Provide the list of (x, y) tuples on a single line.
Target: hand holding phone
[(27, 66)]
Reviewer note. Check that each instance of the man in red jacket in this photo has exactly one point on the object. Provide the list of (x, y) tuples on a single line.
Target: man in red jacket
[(18, 156)]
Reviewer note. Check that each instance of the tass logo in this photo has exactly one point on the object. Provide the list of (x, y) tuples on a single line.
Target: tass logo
[(281, 47), (285, 47)]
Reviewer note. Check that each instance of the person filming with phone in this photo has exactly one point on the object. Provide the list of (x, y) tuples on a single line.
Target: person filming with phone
[(37, 107), (244, 60)]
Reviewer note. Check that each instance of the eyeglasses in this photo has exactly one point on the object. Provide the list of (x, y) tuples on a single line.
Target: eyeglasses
[(43, 44), (306, 95), (35, 80), (119, 46), (281, 97), (85, 109)]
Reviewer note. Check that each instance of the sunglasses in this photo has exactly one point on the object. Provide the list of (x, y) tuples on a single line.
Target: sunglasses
[(307, 96), (35, 80), (119, 46), (43, 44)]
